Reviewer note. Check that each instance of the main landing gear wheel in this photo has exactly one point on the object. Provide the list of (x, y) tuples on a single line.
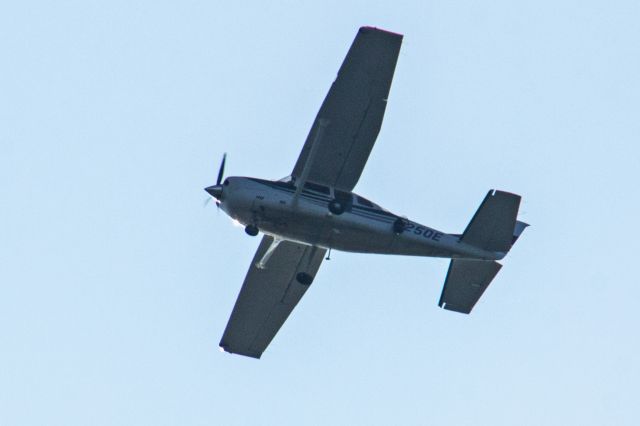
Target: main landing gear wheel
[(335, 207), (251, 230), (304, 278), (398, 226)]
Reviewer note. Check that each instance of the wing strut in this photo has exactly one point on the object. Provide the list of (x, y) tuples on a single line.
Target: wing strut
[(265, 257), (322, 125)]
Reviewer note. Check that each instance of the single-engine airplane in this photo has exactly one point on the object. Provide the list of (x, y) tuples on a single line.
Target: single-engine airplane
[(314, 209)]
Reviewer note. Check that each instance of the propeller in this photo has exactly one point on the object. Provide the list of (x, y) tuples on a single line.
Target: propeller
[(221, 171), (216, 190)]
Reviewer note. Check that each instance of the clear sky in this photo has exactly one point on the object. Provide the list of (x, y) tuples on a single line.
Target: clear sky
[(116, 283)]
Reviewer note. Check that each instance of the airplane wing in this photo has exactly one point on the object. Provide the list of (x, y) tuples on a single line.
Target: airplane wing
[(268, 296), (353, 111)]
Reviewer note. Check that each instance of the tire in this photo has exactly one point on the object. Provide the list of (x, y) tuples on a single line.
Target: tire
[(304, 278), (335, 207), (398, 226), (251, 230)]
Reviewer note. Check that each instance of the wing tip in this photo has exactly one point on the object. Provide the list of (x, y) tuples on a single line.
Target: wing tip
[(453, 308), (251, 354), (367, 29)]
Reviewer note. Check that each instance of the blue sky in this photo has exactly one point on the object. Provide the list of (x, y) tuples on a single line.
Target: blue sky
[(116, 284)]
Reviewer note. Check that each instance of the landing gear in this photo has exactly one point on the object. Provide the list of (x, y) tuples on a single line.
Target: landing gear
[(336, 207), (304, 278), (398, 226), (251, 230)]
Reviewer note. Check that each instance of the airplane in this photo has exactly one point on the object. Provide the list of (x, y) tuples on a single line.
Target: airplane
[(314, 209)]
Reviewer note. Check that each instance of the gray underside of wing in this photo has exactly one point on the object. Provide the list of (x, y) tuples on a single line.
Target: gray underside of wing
[(268, 296), (354, 109)]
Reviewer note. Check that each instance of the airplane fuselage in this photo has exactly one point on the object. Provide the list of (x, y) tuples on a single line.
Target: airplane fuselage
[(305, 216)]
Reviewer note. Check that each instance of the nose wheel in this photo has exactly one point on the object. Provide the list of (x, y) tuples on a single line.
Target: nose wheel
[(251, 230)]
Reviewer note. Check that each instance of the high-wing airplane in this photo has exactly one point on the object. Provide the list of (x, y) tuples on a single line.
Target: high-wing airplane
[(314, 209)]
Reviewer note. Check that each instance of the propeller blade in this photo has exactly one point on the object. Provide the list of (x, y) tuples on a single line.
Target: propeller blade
[(207, 201), (221, 172)]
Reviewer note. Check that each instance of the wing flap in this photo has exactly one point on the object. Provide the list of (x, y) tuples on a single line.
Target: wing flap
[(268, 296)]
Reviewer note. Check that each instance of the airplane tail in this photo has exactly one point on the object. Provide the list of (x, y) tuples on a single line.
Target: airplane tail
[(495, 228)]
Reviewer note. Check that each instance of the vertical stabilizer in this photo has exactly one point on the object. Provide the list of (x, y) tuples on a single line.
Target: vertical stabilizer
[(492, 227)]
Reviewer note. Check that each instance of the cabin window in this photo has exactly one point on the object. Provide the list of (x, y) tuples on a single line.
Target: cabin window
[(364, 202), (287, 185), (317, 188)]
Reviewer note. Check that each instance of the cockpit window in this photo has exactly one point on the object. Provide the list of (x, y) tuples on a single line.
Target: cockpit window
[(317, 188)]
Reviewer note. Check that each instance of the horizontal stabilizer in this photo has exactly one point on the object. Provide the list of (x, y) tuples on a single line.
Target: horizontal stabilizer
[(465, 283), (492, 227)]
